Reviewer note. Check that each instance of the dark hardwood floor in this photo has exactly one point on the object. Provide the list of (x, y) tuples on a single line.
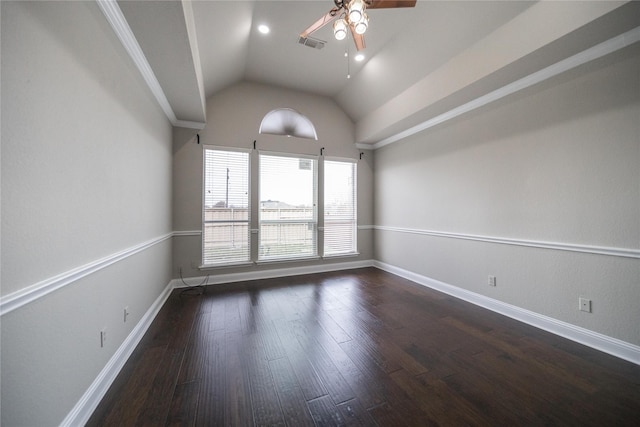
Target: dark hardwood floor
[(360, 347)]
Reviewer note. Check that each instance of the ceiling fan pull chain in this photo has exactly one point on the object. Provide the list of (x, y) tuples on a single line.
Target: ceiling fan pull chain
[(346, 54)]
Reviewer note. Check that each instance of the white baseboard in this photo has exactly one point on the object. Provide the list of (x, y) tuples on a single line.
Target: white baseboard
[(215, 279), (81, 412), (613, 346)]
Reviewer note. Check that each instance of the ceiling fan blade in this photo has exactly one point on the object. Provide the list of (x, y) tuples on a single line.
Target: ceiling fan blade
[(328, 17), (387, 4), (358, 39)]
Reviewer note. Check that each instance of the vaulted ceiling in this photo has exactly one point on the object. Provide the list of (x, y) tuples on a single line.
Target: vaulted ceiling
[(420, 63)]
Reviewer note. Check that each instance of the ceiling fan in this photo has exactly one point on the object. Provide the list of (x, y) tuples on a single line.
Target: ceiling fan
[(351, 14)]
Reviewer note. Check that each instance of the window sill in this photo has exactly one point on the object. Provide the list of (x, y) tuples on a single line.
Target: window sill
[(343, 255), (278, 261), (216, 266), (282, 260)]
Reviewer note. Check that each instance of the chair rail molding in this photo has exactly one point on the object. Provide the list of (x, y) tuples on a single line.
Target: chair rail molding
[(31, 293), (571, 247)]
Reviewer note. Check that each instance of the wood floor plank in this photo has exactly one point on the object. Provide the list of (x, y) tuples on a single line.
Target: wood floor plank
[(366, 354), (361, 382), (337, 387), (403, 402), (264, 400), (385, 415), (288, 303), (525, 350), (496, 403), (354, 414), (238, 406), (435, 398), (135, 392), (325, 412), (269, 340), (211, 397), (156, 407), (181, 313), (514, 384), (269, 303), (383, 338), (249, 316), (294, 406), (358, 347), (232, 321), (216, 314), (311, 385), (191, 369), (184, 405), (332, 327)]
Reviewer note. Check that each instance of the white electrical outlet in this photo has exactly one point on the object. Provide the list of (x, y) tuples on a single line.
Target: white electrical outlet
[(492, 281), (103, 337), (126, 313), (584, 304)]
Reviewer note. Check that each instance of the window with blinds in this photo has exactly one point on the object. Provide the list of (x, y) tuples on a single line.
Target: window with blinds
[(226, 216), (340, 201), (288, 207)]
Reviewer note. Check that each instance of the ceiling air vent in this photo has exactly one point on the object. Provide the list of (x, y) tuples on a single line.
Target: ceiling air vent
[(311, 42)]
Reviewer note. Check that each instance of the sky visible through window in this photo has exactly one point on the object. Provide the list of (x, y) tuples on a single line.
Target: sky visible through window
[(338, 177), (227, 179), (290, 180)]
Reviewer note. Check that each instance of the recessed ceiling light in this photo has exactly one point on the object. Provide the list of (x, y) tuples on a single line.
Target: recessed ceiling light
[(263, 29), (359, 57)]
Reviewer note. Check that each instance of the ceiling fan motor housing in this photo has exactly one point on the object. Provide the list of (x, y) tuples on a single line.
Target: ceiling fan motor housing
[(351, 16)]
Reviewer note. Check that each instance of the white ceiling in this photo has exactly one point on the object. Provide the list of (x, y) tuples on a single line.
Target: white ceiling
[(455, 50), (403, 45)]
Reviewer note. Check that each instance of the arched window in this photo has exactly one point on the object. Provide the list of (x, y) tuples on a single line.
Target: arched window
[(286, 121)]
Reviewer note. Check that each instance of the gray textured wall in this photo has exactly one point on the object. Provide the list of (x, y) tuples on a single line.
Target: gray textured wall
[(559, 163), (86, 174)]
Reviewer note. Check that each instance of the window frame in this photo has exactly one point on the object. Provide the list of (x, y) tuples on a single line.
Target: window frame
[(204, 221), (314, 220), (253, 221), (354, 249)]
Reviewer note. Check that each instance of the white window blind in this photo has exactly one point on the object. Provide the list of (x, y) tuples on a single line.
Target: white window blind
[(288, 211), (226, 234), (340, 201)]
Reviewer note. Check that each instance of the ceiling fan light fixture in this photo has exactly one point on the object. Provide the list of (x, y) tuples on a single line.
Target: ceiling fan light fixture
[(340, 29), (356, 11), (361, 26)]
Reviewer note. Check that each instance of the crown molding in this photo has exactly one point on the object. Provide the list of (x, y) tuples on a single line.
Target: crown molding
[(188, 124), (595, 52), (121, 27)]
